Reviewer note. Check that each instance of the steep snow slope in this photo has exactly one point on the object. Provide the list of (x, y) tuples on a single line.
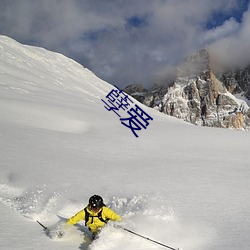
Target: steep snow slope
[(182, 185)]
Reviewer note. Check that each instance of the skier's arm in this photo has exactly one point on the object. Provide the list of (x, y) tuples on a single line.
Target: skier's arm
[(77, 217), (110, 214)]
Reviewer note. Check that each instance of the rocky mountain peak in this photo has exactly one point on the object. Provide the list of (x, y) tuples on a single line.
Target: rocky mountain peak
[(200, 96), (196, 64)]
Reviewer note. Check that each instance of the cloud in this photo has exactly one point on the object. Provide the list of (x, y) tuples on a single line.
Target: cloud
[(233, 49), (121, 41), (228, 28)]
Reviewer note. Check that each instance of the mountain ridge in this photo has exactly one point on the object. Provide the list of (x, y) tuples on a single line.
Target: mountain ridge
[(201, 95)]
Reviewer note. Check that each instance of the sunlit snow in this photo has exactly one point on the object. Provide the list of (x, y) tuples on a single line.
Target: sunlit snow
[(182, 185)]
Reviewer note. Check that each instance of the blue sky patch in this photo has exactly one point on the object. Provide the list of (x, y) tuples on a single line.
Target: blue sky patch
[(136, 21), (219, 17)]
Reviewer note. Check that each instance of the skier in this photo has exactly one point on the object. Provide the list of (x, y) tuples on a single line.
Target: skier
[(95, 214)]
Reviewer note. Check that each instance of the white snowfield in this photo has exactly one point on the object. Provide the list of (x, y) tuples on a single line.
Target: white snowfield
[(185, 186)]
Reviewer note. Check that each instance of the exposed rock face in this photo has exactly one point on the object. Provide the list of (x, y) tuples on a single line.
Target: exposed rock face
[(199, 97), (237, 81), (137, 91)]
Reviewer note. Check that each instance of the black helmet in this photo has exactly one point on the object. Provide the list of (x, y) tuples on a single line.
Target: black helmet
[(96, 202)]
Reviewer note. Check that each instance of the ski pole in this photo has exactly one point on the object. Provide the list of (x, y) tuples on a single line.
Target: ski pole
[(45, 228), (146, 238)]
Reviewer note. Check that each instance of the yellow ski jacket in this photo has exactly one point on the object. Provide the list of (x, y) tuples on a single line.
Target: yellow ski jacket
[(94, 223)]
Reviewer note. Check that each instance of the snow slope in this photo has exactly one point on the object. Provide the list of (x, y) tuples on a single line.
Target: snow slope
[(179, 184)]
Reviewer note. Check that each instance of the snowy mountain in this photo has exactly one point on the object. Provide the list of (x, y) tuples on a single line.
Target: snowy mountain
[(183, 185), (203, 96)]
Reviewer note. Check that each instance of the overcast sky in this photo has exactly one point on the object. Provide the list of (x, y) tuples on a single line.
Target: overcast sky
[(131, 41)]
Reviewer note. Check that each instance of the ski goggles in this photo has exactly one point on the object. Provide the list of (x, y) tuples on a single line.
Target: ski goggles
[(94, 208)]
